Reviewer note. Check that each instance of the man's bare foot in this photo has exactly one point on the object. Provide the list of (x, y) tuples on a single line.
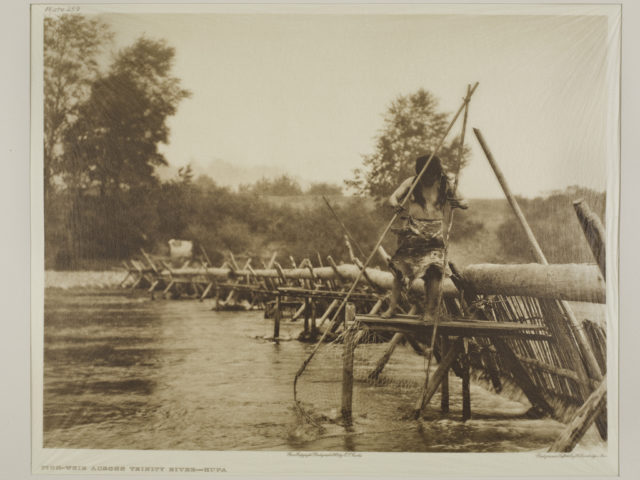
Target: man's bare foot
[(387, 313)]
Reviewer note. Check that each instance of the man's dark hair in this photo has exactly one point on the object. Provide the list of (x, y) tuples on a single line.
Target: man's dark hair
[(433, 173)]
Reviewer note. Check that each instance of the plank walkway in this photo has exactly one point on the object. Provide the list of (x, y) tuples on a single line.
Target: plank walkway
[(463, 327)]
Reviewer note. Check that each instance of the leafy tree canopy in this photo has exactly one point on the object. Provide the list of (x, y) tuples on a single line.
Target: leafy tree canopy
[(323, 188), (114, 145), (280, 186), (72, 44), (413, 126)]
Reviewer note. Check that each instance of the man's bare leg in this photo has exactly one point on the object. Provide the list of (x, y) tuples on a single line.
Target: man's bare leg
[(395, 298), (432, 280)]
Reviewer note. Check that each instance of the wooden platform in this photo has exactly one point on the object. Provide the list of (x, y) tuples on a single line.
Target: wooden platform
[(246, 287), (464, 327), (327, 294)]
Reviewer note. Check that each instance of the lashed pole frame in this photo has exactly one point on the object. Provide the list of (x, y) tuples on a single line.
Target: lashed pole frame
[(375, 248), (592, 364), (583, 360), (420, 404)]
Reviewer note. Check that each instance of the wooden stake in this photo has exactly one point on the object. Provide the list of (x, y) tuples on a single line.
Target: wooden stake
[(444, 389), (169, 287), (307, 308), (594, 232), (466, 387), (376, 307), (153, 267), (299, 312), (276, 320), (582, 420), (206, 291), (375, 373), (204, 254), (583, 345), (328, 311), (429, 390), (233, 262), (128, 269), (347, 366), (314, 328), (521, 377), (153, 286)]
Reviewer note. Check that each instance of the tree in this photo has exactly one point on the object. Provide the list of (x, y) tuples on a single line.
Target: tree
[(72, 44), (324, 188), (554, 223), (412, 126), (114, 145), (111, 151), (280, 186)]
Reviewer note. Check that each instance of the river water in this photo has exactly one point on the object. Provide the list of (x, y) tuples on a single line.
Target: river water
[(123, 371)]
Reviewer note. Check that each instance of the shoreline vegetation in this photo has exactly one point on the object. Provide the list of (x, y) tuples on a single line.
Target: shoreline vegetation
[(249, 222), (106, 113)]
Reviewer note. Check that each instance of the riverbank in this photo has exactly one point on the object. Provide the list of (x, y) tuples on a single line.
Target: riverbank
[(83, 279)]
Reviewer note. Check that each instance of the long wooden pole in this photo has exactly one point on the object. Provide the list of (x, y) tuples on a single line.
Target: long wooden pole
[(379, 242), (582, 419), (572, 282), (344, 228), (594, 233), (347, 367), (587, 354), (448, 223), (442, 370)]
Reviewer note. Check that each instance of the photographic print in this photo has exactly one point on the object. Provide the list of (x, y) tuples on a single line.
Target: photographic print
[(293, 239)]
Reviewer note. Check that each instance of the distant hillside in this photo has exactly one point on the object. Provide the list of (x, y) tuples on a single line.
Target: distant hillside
[(225, 173), (483, 246), (311, 201), (477, 233)]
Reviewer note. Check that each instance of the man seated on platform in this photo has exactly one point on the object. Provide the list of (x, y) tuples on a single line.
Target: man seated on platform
[(420, 252)]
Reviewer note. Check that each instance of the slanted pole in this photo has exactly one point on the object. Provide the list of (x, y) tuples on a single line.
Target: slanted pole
[(584, 348), (140, 274), (347, 366), (443, 369), (376, 307), (314, 327), (128, 269), (328, 311), (375, 373), (582, 419), (153, 286), (521, 377), (169, 287), (299, 312), (230, 296), (594, 232), (466, 387), (444, 388), (276, 320), (204, 254), (232, 261), (307, 308), (206, 291), (148, 258), (272, 260)]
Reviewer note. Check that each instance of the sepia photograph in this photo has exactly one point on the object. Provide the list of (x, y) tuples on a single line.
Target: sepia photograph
[(288, 239)]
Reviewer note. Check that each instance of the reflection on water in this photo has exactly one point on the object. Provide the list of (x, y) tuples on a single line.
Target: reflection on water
[(128, 372)]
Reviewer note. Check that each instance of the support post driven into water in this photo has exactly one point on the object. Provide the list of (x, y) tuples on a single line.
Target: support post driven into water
[(347, 366)]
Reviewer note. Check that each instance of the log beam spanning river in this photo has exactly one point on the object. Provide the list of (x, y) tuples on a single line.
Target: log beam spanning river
[(571, 282)]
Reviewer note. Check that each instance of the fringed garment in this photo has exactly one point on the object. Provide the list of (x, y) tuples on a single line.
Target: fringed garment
[(420, 247)]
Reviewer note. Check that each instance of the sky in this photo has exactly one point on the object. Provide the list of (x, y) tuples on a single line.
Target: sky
[(305, 94)]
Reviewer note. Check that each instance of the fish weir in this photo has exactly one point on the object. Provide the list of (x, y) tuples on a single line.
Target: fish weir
[(505, 323)]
